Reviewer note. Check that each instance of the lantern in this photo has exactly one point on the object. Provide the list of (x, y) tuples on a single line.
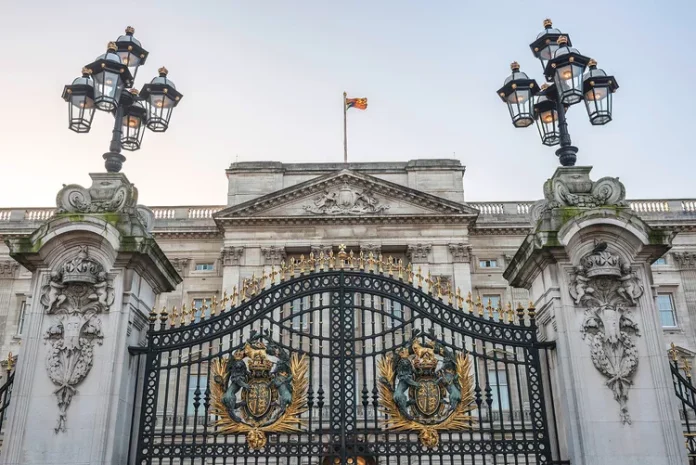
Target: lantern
[(566, 68), (517, 92), (161, 97), (547, 116), (80, 98), (133, 124), (130, 51), (598, 89), (545, 45), (110, 76)]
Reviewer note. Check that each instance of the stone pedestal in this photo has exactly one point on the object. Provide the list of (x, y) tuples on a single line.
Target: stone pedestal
[(587, 267), (96, 272)]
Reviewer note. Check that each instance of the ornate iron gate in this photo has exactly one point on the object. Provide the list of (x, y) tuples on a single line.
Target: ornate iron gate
[(343, 360), (686, 393)]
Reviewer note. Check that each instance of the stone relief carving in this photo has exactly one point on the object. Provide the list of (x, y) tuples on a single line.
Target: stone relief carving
[(685, 259), (76, 294), (418, 253), (374, 249), (345, 201), (8, 269), (273, 255), (317, 250), (574, 188), (608, 288), (180, 264), (461, 253), (231, 255)]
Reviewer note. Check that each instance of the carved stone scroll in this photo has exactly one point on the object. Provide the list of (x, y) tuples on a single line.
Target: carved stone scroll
[(345, 201), (76, 294), (608, 288)]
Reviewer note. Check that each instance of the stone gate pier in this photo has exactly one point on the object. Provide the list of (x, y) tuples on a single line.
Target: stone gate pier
[(586, 265)]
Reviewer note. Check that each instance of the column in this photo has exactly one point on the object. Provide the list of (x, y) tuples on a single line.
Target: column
[(461, 266), (95, 279), (587, 267), (231, 258), (687, 269)]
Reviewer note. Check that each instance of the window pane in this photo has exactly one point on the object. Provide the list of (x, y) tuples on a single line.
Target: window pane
[(494, 302), (22, 314), (199, 382), (660, 261), (204, 267), (198, 305), (665, 305), (488, 263), (499, 390)]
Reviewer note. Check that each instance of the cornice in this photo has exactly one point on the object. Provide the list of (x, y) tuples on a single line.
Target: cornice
[(339, 219)]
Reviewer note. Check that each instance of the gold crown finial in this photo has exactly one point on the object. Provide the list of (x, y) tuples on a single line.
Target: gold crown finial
[(10, 362), (514, 66), (86, 71), (163, 71), (562, 40), (544, 86), (133, 91), (111, 46), (592, 63), (130, 30), (548, 23)]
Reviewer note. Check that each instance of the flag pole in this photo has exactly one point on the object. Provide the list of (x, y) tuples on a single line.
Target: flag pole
[(345, 135)]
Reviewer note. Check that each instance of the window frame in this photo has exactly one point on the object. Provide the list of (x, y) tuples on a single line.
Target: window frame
[(191, 411), (494, 375), (488, 263), (664, 262), (673, 309), (21, 315), (211, 266)]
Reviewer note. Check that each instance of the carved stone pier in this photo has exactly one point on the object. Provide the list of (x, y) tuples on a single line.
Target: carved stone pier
[(587, 267), (96, 272)]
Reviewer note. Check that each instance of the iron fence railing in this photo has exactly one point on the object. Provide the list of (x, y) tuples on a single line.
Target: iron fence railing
[(5, 391), (686, 393)]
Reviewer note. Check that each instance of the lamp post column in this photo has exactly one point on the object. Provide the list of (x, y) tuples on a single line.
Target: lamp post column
[(113, 158), (567, 154)]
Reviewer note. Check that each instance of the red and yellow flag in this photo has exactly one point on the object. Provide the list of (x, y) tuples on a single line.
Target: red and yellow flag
[(359, 103)]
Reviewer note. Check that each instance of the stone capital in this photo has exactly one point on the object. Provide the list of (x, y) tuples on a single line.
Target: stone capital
[(273, 255), (8, 269), (181, 265), (373, 249), (231, 256), (685, 260), (418, 253), (461, 253), (317, 250)]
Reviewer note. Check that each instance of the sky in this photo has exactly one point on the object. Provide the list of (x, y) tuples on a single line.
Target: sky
[(263, 80)]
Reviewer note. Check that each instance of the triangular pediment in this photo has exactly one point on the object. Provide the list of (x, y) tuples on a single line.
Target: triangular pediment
[(347, 194)]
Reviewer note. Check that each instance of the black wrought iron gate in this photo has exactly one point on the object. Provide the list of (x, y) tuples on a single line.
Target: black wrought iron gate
[(343, 361)]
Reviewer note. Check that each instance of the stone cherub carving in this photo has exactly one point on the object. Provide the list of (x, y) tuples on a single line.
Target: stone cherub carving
[(607, 288)]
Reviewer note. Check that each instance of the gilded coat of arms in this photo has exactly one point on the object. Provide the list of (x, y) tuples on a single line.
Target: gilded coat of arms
[(254, 395), (426, 388)]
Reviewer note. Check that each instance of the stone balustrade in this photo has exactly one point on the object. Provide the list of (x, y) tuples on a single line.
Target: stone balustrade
[(649, 209)]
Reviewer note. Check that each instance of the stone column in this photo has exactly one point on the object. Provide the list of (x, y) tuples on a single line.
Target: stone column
[(687, 268), (461, 264), (231, 258), (96, 273), (587, 267)]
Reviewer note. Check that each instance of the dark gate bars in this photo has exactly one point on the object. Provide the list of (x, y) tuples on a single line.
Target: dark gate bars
[(373, 306)]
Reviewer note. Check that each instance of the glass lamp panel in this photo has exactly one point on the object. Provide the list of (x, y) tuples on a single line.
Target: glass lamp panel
[(107, 89), (520, 106), (547, 123), (569, 82), (160, 108), (598, 103), (131, 132), (546, 53), (81, 112)]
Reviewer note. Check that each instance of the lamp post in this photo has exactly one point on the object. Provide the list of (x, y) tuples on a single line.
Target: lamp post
[(571, 78), (107, 84)]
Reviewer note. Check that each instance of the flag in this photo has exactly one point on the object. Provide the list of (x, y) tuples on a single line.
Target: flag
[(359, 103)]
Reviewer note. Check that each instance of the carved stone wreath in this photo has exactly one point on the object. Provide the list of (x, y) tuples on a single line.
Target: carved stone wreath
[(77, 292), (608, 288)]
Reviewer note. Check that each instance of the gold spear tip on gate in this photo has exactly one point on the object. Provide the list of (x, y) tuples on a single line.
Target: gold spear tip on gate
[(163, 316), (531, 310), (10, 362), (686, 366), (673, 351)]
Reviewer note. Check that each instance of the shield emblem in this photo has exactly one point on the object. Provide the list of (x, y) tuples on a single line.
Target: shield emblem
[(346, 197), (257, 398), (427, 397)]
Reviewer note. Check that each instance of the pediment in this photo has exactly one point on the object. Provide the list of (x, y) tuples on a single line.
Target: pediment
[(347, 194)]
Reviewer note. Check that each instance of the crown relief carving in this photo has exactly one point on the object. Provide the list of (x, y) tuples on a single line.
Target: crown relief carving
[(608, 288), (77, 292)]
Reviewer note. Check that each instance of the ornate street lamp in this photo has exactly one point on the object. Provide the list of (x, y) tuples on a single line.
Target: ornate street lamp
[(572, 82), (107, 84)]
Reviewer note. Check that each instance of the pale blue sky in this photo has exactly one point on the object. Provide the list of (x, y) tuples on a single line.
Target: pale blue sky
[(263, 80)]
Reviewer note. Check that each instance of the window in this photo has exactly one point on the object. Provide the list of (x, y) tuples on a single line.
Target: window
[(497, 380), (665, 304), (196, 383), (21, 316), (204, 266), (488, 263), (494, 302), (300, 322), (198, 305), (660, 261)]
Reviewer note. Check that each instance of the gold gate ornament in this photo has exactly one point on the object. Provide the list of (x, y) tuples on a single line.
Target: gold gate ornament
[(253, 395), (426, 389)]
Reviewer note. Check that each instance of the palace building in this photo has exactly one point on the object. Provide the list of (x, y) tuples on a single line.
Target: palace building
[(407, 221)]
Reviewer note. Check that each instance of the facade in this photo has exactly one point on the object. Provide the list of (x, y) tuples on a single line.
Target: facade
[(414, 211), (413, 214)]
